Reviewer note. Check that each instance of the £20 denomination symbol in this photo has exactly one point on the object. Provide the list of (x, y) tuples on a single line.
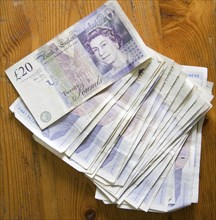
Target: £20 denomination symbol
[(23, 70)]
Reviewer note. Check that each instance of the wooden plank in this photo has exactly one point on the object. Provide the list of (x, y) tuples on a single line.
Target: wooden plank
[(34, 184)]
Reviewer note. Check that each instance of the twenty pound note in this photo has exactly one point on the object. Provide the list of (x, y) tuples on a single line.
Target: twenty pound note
[(78, 63)]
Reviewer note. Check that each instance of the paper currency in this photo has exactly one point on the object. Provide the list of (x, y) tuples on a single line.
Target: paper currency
[(78, 63), (139, 138)]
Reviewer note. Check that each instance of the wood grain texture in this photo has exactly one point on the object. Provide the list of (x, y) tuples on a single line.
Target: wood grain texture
[(34, 184)]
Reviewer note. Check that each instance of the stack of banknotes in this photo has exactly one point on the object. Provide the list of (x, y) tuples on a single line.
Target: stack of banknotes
[(126, 116)]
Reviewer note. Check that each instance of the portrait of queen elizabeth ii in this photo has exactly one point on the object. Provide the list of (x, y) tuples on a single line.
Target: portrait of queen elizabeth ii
[(106, 46)]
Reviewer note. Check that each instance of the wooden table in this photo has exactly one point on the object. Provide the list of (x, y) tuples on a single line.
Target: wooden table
[(35, 184)]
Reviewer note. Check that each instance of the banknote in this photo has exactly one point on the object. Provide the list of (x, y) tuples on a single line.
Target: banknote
[(78, 63), (25, 117)]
